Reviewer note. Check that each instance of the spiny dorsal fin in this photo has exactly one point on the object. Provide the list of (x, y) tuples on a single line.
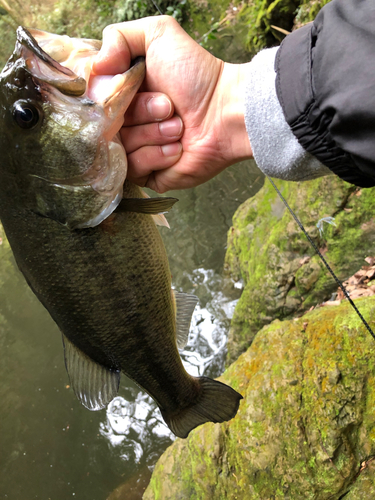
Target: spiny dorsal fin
[(94, 385), (150, 206), (185, 305)]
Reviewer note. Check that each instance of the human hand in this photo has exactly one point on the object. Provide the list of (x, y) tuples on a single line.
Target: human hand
[(187, 123)]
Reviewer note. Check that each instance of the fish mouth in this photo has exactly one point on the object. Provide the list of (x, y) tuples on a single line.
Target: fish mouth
[(65, 63), (46, 69), (62, 65), (55, 59)]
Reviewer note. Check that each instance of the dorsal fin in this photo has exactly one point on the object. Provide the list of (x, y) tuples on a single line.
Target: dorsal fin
[(94, 385), (185, 305)]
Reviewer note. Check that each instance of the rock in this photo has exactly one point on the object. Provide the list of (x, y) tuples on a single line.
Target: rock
[(269, 21), (307, 11), (268, 252), (364, 487), (306, 426)]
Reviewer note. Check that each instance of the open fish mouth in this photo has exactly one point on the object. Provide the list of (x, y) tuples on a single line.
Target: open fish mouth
[(61, 68), (65, 63), (42, 66)]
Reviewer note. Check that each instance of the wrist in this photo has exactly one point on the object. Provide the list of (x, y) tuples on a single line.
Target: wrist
[(231, 88)]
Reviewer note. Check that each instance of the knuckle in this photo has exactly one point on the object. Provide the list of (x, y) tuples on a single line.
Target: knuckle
[(162, 24), (108, 29)]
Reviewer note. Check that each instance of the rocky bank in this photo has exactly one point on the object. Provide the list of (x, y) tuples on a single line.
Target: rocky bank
[(281, 274), (306, 426)]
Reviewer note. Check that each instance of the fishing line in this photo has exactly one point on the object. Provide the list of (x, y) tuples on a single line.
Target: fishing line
[(322, 258), (311, 241), (156, 7)]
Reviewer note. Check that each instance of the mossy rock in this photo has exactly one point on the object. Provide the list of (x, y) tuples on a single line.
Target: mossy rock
[(262, 15), (307, 11), (306, 426), (269, 19), (266, 250)]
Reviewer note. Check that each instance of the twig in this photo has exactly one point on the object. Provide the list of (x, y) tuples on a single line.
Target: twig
[(284, 32)]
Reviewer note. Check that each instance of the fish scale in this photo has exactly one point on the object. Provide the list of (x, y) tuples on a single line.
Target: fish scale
[(77, 280)]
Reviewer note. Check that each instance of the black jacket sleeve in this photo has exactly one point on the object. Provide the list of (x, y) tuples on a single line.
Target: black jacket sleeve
[(326, 87)]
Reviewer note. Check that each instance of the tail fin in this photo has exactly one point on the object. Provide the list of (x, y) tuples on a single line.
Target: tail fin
[(217, 402)]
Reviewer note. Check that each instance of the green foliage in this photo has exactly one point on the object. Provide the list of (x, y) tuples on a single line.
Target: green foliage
[(84, 18), (308, 11), (212, 34), (129, 10), (261, 15), (88, 18), (265, 16), (178, 10)]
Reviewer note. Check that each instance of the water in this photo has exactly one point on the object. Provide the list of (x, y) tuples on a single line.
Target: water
[(51, 447)]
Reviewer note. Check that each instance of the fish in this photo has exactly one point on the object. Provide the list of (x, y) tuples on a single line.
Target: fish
[(86, 239)]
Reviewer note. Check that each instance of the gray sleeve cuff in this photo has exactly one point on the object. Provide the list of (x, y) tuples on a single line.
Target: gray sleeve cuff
[(276, 150)]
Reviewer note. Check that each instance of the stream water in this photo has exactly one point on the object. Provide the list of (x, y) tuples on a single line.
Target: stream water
[(51, 447)]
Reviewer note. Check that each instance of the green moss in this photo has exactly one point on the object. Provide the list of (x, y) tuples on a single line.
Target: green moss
[(269, 253), (261, 15), (306, 422), (267, 18), (307, 11)]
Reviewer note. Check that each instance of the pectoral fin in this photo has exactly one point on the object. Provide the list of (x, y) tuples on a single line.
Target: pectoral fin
[(93, 384), (150, 206), (185, 305)]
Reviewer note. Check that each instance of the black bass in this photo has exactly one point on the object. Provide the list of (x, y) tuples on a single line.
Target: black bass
[(85, 238)]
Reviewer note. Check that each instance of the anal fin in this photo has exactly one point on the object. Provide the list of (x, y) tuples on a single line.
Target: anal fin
[(185, 305), (94, 385)]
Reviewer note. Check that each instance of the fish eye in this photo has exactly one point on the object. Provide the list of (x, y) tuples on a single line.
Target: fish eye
[(25, 114)]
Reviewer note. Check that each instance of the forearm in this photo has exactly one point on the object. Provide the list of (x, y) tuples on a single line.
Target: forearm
[(251, 122), (311, 111)]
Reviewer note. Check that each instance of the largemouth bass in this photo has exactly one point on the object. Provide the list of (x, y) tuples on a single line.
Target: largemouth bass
[(85, 238)]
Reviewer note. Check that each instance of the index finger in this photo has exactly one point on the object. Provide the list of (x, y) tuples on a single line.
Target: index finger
[(122, 42)]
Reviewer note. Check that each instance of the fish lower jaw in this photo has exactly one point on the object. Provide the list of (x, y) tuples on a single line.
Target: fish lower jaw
[(111, 184)]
